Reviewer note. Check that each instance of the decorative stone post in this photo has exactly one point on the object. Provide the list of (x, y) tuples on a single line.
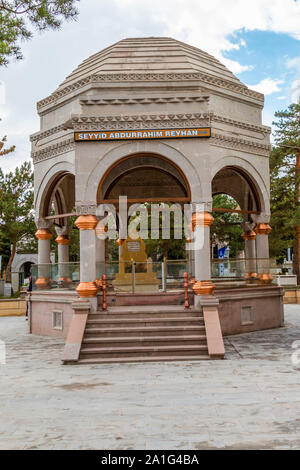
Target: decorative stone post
[(262, 231), (201, 222), (100, 260), (250, 254), (205, 301), (87, 286), (63, 259), (44, 236)]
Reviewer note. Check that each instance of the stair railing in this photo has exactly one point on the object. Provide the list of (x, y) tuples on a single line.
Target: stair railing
[(186, 293), (104, 288)]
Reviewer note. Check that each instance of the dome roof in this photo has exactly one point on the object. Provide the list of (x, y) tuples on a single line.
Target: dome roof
[(149, 55), (134, 61)]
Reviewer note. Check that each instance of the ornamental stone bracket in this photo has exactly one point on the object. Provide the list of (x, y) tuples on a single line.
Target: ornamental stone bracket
[(43, 224), (64, 230), (263, 218)]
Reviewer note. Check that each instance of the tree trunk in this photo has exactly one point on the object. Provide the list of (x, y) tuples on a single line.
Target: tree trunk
[(166, 250), (8, 267)]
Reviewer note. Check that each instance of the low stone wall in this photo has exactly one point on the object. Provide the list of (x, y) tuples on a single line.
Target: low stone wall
[(46, 309), (287, 280), (291, 295), (241, 309), (12, 307), (247, 309)]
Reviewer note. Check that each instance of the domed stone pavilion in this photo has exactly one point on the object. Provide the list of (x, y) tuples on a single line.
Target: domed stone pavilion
[(155, 121)]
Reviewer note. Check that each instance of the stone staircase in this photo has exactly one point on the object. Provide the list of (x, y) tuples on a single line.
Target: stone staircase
[(144, 334)]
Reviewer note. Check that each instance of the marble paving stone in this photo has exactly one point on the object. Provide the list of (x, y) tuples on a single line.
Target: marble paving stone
[(250, 400)]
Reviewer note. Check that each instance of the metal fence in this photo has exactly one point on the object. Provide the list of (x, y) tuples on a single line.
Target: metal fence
[(131, 276)]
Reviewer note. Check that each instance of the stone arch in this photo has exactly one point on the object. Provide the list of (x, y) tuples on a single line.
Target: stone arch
[(159, 149), (21, 259), (249, 173), (48, 184), (160, 178)]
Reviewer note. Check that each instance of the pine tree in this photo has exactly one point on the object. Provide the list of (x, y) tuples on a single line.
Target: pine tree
[(227, 226), (285, 181), (16, 209), (17, 16), (4, 151)]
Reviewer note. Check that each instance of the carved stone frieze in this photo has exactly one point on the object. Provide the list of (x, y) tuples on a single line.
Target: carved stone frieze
[(242, 124), (94, 123), (146, 100), (151, 77), (86, 208), (43, 134), (53, 150), (249, 146), (152, 121)]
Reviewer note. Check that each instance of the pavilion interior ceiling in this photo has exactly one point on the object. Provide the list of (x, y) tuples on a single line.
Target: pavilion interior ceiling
[(143, 177), (61, 195), (234, 183)]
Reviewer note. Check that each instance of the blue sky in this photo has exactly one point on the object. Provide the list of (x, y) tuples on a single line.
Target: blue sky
[(269, 56), (258, 40)]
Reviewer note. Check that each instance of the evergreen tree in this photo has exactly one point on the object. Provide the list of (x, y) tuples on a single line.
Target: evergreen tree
[(285, 181), (4, 151), (227, 226), (16, 17), (16, 210)]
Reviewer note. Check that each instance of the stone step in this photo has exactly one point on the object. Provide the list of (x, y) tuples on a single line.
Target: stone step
[(135, 341), (181, 330), (124, 359), (151, 321), (138, 351), (132, 309), (152, 314)]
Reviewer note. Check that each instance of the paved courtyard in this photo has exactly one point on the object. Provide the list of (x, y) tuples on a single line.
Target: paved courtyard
[(250, 400)]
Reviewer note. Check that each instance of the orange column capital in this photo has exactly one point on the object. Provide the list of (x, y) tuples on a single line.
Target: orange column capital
[(62, 240), (86, 222), (263, 229), (202, 219), (43, 234), (249, 235), (203, 287)]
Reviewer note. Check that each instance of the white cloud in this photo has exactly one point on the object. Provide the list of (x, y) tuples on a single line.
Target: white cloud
[(267, 86), (235, 66), (295, 86), (296, 91), (293, 63), (211, 26), (281, 97)]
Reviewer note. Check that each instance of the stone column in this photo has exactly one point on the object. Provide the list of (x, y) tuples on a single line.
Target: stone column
[(63, 259), (250, 255), (262, 231), (87, 286), (44, 266), (201, 222)]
